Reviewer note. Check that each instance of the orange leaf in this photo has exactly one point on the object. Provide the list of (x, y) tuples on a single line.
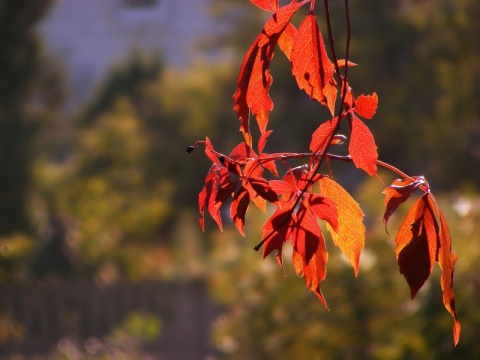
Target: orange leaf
[(447, 260), (362, 148), (366, 105), (240, 96), (287, 39), (330, 93), (322, 134), (310, 64), (267, 5), (350, 237), (313, 271), (417, 244), (341, 63), (398, 192), (254, 79)]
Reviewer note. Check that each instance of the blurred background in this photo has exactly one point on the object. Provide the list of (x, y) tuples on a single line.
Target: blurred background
[(101, 255)]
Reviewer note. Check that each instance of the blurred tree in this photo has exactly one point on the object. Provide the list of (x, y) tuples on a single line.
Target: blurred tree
[(21, 102), (124, 187), (423, 62)]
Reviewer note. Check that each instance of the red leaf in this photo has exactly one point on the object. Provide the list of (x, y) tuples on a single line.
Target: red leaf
[(281, 187), (277, 231), (350, 237), (258, 188), (323, 208), (254, 79), (287, 39), (210, 152), (226, 186), (263, 189), (447, 260), (306, 234), (241, 152), (362, 148), (240, 96), (366, 105), (417, 244), (267, 5), (314, 271), (239, 208), (348, 100), (207, 198), (323, 133), (420, 242), (398, 192), (310, 64), (269, 164), (262, 140)]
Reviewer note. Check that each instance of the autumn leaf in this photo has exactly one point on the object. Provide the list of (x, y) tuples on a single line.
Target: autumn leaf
[(206, 198), (350, 236), (311, 66), (254, 79), (314, 271), (210, 152), (267, 5), (320, 137), (341, 63), (276, 231), (398, 192), (417, 243), (286, 40), (242, 152), (366, 105), (239, 208), (268, 163), (362, 147), (446, 261)]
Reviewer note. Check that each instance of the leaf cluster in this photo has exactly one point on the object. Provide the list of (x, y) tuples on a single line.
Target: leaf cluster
[(306, 194)]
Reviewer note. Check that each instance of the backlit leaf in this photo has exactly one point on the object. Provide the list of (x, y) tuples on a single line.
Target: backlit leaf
[(350, 237), (417, 243), (314, 271), (362, 148), (254, 79), (277, 231), (366, 105), (239, 208), (447, 260), (310, 64), (267, 5), (287, 39), (398, 192)]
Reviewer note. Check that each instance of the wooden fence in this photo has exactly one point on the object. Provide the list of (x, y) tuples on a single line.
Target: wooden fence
[(35, 319)]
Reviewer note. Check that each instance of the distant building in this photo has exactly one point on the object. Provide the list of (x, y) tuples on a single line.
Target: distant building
[(91, 36)]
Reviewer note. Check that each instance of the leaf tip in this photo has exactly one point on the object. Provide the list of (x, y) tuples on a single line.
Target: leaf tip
[(456, 332)]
